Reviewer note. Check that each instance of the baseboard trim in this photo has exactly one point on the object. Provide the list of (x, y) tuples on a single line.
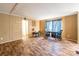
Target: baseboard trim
[(9, 41)]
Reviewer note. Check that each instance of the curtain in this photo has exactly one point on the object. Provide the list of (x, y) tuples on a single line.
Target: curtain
[(53, 26), (56, 26), (48, 26)]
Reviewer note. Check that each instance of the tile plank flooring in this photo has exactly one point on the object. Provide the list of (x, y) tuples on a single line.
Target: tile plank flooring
[(39, 47)]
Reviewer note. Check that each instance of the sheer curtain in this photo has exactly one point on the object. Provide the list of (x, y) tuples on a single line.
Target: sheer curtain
[(56, 25), (48, 26), (53, 26)]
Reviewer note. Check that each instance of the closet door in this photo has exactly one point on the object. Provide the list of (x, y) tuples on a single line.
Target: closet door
[(15, 28), (4, 28)]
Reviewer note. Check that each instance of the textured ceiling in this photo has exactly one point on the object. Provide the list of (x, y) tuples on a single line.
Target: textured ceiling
[(40, 10), (6, 7)]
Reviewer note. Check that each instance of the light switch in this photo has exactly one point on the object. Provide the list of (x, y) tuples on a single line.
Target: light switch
[(1, 38)]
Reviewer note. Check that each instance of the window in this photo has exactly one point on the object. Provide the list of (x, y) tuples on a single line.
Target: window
[(48, 26), (56, 25), (53, 26)]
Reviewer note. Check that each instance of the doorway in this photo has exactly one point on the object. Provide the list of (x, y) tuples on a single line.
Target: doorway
[(24, 29)]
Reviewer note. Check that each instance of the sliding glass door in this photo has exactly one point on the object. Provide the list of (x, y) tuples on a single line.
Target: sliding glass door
[(48, 27), (53, 26), (56, 26)]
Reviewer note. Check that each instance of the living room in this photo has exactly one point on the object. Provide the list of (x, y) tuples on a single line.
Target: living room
[(38, 29)]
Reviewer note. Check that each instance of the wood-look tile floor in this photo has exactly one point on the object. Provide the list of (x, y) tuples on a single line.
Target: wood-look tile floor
[(39, 47)]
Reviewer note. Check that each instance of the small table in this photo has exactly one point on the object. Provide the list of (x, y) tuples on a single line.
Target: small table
[(35, 34)]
